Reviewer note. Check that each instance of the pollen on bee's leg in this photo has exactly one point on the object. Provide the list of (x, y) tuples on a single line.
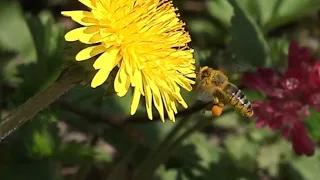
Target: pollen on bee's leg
[(217, 109)]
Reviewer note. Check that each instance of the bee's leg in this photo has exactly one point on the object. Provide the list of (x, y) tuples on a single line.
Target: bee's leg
[(204, 68), (222, 93), (207, 108), (215, 100)]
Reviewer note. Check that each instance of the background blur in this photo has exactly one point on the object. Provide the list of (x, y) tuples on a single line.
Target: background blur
[(72, 139)]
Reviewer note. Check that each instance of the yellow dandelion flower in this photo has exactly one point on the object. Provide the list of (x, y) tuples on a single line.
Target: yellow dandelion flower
[(148, 43)]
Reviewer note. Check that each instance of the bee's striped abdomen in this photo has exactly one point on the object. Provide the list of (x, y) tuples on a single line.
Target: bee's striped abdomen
[(239, 100)]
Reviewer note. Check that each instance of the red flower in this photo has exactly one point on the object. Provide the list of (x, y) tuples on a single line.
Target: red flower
[(314, 76), (288, 97), (300, 58), (265, 80)]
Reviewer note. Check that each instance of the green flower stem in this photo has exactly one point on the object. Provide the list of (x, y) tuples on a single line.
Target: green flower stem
[(199, 125), (39, 101), (144, 166), (166, 152)]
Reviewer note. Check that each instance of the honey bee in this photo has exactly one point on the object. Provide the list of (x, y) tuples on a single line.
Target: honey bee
[(214, 87)]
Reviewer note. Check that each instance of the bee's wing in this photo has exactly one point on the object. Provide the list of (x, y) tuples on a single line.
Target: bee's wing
[(205, 96), (227, 63)]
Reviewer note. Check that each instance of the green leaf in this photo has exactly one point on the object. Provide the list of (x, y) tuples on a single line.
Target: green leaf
[(42, 139), (8, 67), (16, 35), (37, 139), (166, 174), (48, 38), (261, 11), (313, 124), (201, 55), (80, 153), (149, 129), (35, 170), (16, 43), (260, 135), (204, 151), (268, 14), (269, 156), (253, 94), (279, 51), (220, 10), (305, 168), (192, 158), (248, 42), (120, 169), (242, 150), (228, 120), (43, 143), (285, 11), (203, 29)]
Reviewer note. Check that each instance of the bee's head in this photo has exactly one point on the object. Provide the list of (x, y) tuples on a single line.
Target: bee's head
[(203, 72)]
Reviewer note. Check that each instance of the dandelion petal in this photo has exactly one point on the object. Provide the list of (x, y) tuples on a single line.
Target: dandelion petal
[(135, 101), (107, 60), (91, 35), (121, 83), (74, 34), (90, 52), (158, 101), (89, 3), (84, 18), (100, 78), (148, 96)]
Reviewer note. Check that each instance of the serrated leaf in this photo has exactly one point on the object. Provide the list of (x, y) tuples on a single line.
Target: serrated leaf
[(38, 75), (248, 42), (313, 124)]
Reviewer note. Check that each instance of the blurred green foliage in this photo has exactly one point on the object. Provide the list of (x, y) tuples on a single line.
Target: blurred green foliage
[(72, 140)]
